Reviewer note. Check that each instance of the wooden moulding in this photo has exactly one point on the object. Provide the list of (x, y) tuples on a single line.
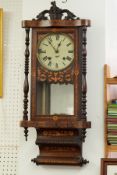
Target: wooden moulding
[(105, 162), (55, 23), (57, 161), (56, 124)]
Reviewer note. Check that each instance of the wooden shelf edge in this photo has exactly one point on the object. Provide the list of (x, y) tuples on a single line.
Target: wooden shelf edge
[(111, 81), (107, 78), (55, 125), (112, 148)]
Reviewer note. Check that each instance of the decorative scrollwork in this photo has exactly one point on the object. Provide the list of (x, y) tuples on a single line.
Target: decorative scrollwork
[(56, 13), (55, 77), (57, 133)]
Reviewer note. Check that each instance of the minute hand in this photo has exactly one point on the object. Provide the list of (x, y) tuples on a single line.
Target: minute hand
[(52, 46)]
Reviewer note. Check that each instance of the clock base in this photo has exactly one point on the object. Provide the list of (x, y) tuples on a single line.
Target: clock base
[(59, 147)]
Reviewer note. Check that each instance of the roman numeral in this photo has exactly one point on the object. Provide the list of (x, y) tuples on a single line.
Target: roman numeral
[(41, 51), (57, 37), (68, 58), (63, 63), (50, 63), (68, 44), (70, 51), (56, 65), (45, 58), (64, 39), (50, 39), (44, 44), (49, 58)]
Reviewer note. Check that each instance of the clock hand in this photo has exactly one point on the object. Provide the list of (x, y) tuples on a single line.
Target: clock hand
[(52, 46), (59, 45)]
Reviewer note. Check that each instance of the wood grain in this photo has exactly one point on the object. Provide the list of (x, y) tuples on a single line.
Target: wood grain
[(55, 23)]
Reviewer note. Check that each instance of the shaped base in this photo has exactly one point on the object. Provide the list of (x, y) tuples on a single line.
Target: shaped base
[(57, 152)]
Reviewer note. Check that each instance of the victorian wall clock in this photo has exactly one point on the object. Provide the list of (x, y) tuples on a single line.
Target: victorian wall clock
[(58, 86)]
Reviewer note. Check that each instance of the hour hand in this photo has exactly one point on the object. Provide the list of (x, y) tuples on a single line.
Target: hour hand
[(59, 45)]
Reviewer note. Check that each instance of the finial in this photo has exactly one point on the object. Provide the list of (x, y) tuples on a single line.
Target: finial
[(53, 3)]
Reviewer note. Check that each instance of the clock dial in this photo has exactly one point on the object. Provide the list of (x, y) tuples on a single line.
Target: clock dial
[(56, 51)]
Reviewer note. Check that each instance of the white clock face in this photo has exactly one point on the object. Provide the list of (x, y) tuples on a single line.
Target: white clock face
[(56, 51)]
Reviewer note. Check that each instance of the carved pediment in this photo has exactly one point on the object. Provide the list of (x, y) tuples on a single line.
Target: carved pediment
[(55, 13)]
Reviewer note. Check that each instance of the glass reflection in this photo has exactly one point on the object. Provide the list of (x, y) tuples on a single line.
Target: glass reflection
[(55, 99)]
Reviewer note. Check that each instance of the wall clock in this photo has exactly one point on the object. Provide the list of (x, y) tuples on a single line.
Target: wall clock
[(58, 86)]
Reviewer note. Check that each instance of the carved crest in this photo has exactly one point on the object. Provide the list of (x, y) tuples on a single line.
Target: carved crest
[(56, 13)]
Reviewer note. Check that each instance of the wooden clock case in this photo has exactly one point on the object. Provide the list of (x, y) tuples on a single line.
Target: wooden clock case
[(59, 137)]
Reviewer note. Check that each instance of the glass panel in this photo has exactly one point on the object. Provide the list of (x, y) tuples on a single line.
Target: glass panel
[(43, 98), (62, 99), (112, 170), (55, 99)]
